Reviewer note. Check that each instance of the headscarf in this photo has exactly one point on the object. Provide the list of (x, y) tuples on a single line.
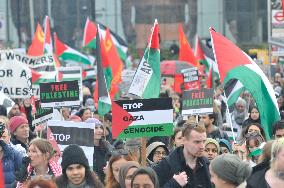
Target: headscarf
[(124, 170)]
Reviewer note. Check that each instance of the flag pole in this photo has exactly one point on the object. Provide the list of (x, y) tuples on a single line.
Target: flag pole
[(229, 117)]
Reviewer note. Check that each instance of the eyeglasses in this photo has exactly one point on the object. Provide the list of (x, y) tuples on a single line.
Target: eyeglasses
[(158, 153)]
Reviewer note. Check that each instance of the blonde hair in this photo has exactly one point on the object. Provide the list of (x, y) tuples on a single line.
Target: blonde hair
[(277, 147)]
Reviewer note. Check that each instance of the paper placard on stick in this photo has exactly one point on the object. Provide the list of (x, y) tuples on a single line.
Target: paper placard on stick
[(68, 132), (197, 102), (42, 114), (58, 94), (142, 118)]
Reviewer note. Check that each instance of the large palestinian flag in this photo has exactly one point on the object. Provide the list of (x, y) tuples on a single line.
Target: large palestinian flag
[(233, 63), (147, 79)]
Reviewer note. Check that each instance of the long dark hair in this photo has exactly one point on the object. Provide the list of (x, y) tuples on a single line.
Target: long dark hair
[(90, 177)]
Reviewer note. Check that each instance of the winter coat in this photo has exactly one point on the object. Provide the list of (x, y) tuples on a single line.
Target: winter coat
[(11, 162), (257, 179), (175, 163), (100, 158)]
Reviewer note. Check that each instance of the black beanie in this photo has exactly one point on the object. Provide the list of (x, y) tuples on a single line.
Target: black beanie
[(74, 154)]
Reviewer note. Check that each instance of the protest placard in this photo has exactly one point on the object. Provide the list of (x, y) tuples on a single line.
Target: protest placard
[(68, 132), (142, 118), (57, 94), (191, 79), (42, 115), (71, 74), (197, 102)]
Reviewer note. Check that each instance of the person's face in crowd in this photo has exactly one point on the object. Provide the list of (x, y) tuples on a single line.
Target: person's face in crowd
[(98, 132), (6, 136), (129, 177), (159, 154), (211, 151), (206, 120), (254, 114), (224, 150), (253, 144), (142, 181), (178, 140), (27, 102), (240, 107), (22, 132), (218, 182), (15, 110), (279, 133), (37, 157), (116, 166), (195, 143), (76, 173), (254, 128), (279, 165), (86, 115), (280, 101), (65, 113)]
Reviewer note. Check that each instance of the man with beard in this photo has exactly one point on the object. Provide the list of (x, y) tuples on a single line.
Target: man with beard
[(239, 115), (186, 166)]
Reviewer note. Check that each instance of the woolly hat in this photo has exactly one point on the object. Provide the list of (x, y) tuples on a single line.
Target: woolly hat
[(225, 143), (17, 121), (213, 141), (230, 168), (73, 154)]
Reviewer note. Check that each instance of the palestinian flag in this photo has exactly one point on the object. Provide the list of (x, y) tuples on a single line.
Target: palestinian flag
[(185, 51), (68, 54), (47, 37), (104, 102), (89, 73), (90, 31), (146, 82), (233, 90), (36, 47), (233, 63), (205, 56)]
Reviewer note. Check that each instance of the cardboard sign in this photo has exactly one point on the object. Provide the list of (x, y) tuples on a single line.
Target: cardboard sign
[(191, 79), (56, 94), (42, 114), (68, 132), (197, 102), (142, 118), (71, 74), (18, 65)]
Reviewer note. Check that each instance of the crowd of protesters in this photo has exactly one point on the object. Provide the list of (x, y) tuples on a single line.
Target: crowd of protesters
[(204, 151)]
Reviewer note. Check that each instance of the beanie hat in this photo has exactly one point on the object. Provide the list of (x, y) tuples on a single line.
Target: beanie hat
[(225, 143), (17, 121), (73, 154), (212, 141), (230, 168)]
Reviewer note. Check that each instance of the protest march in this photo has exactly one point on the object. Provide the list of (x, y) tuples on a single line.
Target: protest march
[(94, 117)]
